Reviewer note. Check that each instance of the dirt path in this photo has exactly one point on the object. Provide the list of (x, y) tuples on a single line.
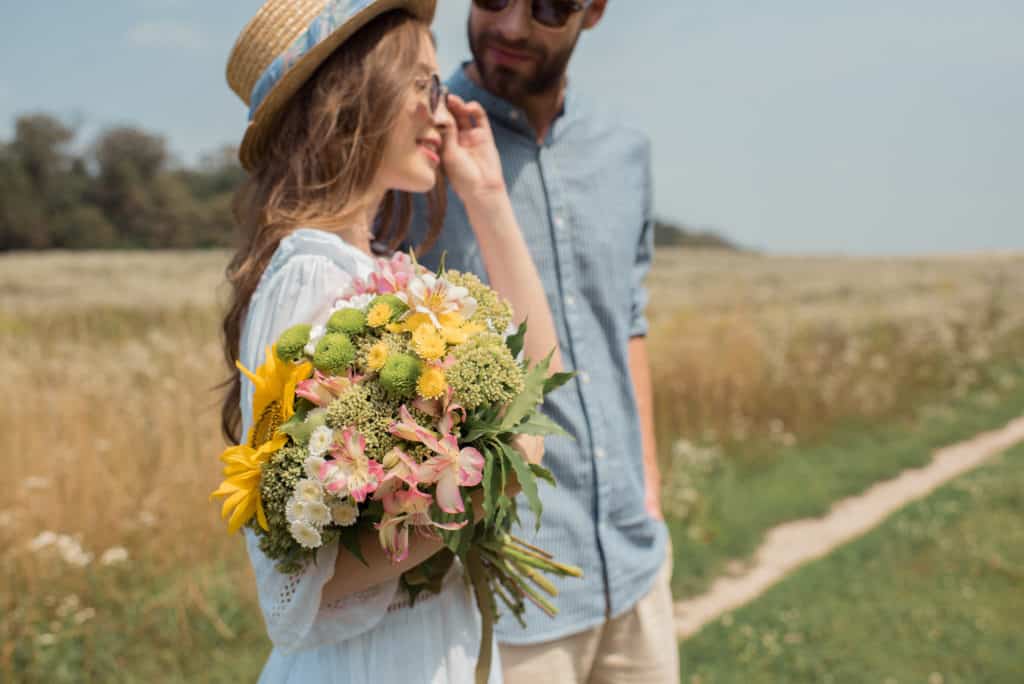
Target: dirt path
[(794, 543)]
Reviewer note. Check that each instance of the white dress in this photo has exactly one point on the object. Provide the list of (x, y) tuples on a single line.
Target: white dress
[(373, 636)]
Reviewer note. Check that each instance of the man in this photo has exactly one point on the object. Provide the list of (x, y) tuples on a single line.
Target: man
[(581, 188)]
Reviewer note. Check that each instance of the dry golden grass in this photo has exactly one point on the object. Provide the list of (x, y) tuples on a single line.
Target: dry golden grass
[(112, 423), (783, 347)]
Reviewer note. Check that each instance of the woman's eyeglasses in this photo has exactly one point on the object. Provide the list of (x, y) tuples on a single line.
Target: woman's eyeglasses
[(436, 90), (549, 13)]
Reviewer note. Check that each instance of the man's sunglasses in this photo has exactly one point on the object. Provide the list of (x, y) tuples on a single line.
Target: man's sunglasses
[(550, 13)]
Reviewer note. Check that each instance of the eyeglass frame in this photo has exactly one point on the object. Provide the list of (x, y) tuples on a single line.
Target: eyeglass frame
[(582, 5)]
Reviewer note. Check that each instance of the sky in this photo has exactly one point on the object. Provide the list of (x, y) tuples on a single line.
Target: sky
[(800, 126)]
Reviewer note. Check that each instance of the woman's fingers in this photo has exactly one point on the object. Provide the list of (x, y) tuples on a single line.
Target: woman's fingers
[(467, 115)]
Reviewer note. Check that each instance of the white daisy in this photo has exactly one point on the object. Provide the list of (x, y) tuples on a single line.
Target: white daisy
[(320, 440), (344, 513), (356, 302), (307, 535), (312, 466), (295, 510), (309, 490), (317, 513), (114, 555)]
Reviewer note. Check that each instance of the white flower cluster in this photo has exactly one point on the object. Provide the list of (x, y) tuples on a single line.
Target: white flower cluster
[(69, 548), (310, 508), (71, 551)]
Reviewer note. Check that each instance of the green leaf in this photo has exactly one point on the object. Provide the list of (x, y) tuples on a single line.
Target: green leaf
[(540, 425), (556, 380), (543, 473), (527, 480), (300, 430), (530, 398), (349, 538), (492, 483), (515, 342)]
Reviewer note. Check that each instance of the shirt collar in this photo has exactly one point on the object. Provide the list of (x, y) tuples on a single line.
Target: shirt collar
[(506, 113)]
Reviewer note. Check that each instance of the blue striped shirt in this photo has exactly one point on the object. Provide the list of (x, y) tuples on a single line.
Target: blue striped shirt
[(583, 200)]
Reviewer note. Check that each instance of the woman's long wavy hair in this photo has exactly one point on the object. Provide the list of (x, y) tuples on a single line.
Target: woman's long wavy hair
[(318, 167)]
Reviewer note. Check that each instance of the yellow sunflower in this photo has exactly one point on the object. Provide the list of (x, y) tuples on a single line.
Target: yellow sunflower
[(273, 404)]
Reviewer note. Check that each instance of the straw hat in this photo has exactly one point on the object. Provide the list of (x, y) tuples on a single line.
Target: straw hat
[(284, 44)]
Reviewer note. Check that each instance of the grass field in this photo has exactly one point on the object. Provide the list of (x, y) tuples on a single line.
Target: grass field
[(933, 595), (773, 372)]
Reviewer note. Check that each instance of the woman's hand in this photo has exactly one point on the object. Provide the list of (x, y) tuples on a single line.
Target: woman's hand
[(531, 448), (470, 156)]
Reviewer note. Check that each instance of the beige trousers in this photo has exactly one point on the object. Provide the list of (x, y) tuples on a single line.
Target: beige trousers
[(637, 647)]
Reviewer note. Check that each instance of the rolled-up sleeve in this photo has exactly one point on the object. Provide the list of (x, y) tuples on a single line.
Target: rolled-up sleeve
[(292, 603), (643, 257)]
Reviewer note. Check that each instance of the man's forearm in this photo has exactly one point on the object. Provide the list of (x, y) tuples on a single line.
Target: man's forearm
[(640, 371)]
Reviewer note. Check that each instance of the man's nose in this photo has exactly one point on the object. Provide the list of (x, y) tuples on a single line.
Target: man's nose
[(513, 25)]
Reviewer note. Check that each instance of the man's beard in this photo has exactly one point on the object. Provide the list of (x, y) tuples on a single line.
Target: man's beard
[(514, 86)]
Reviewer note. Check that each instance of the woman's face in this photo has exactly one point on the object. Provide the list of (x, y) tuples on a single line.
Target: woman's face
[(412, 153)]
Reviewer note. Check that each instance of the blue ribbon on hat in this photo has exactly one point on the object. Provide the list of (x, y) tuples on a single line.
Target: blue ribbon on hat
[(335, 15)]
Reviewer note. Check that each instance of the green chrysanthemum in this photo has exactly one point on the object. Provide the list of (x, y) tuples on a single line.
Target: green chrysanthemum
[(484, 372), (492, 310), (292, 341), (348, 321), (334, 354), (368, 410), (399, 375)]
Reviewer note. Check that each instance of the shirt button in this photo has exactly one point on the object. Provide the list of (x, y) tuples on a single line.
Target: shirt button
[(600, 453), (513, 114), (570, 301), (584, 377), (559, 222)]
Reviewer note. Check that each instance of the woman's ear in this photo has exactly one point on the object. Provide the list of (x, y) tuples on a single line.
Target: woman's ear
[(594, 14)]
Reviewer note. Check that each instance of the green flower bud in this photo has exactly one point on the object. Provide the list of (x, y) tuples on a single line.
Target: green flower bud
[(334, 354), (348, 321), (292, 341), (399, 375)]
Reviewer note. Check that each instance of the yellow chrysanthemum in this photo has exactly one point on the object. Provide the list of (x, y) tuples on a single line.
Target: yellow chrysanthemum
[(379, 315), (273, 403), (378, 355), (461, 334), (432, 384), (428, 343)]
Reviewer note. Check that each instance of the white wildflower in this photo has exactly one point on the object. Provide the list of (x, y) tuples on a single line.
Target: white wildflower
[(42, 540), (147, 519), (114, 555), (307, 535), (320, 440), (317, 513), (84, 615), (312, 466), (344, 513), (46, 640), (35, 483)]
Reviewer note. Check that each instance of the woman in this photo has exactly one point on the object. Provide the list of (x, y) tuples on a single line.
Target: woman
[(346, 116)]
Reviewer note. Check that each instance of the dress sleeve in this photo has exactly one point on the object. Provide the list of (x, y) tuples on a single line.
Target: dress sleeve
[(294, 613)]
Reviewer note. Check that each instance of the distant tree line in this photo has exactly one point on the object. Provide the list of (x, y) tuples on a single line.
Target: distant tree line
[(123, 190)]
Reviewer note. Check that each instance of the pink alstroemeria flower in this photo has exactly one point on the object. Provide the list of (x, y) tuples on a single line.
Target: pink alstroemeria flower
[(450, 413), (402, 510), (404, 470), (352, 472), (450, 469), (408, 429), (322, 389)]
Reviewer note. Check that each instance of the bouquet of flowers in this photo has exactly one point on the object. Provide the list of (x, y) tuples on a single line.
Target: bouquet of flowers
[(395, 412)]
